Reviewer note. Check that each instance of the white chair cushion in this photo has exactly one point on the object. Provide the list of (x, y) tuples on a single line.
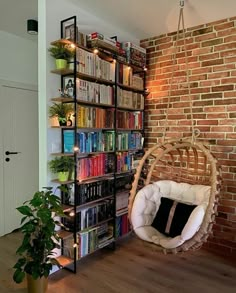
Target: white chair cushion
[(147, 202)]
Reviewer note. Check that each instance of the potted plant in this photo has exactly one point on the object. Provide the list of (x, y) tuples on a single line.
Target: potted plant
[(61, 111), (62, 166), (38, 228), (62, 53)]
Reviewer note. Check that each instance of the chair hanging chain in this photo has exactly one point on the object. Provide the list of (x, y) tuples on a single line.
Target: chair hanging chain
[(180, 21)]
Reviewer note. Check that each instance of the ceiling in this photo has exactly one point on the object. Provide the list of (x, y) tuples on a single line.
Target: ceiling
[(140, 18)]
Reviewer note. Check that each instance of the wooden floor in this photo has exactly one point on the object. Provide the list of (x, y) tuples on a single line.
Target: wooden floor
[(134, 267)]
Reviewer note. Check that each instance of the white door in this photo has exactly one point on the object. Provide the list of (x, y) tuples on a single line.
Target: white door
[(19, 136)]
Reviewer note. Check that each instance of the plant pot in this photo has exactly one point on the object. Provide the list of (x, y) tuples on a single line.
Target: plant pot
[(62, 123), (39, 285), (63, 176), (61, 64)]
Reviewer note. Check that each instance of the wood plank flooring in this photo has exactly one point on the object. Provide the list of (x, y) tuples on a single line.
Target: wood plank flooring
[(134, 267)]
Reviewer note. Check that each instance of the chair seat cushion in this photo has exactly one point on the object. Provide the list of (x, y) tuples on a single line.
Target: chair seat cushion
[(148, 201)]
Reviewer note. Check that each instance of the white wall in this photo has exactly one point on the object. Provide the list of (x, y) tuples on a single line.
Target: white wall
[(18, 59)]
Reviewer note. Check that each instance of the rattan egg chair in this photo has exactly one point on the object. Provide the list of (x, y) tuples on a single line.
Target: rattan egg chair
[(174, 169)]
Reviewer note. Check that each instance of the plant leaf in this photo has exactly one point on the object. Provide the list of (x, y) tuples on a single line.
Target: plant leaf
[(25, 210), (18, 276)]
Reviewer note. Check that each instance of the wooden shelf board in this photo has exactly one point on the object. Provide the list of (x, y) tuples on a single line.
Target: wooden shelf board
[(65, 71), (95, 104), (61, 41), (64, 234), (62, 99), (95, 153), (94, 128), (96, 225), (94, 78), (95, 177), (79, 207), (129, 150), (130, 109), (121, 212), (63, 154), (64, 260), (64, 127), (131, 88)]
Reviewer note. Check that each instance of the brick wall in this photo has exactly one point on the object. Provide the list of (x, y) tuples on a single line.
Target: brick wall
[(211, 51)]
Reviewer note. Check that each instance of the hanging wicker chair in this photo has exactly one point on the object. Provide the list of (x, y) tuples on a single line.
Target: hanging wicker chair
[(182, 161), (186, 165)]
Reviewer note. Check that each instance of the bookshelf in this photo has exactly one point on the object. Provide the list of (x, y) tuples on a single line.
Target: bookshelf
[(105, 140)]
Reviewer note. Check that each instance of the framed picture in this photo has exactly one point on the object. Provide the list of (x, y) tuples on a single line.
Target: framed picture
[(69, 86), (70, 34)]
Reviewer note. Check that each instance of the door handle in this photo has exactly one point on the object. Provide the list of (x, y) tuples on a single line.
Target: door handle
[(7, 153)]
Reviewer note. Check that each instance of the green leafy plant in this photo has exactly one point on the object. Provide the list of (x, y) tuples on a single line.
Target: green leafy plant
[(61, 164), (62, 51), (61, 111), (40, 238)]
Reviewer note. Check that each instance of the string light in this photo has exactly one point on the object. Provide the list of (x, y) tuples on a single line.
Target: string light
[(71, 214), (76, 149), (95, 51)]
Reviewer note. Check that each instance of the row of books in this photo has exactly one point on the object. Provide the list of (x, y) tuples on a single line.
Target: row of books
[(129, 99), (90, 216), (88, 241), (129, 120), (122, 200), (92, 117), (129, 140), (97, 165), (124, 161), (127, 77), (122, 225), (94, 92), (87, 142), (93, 191), (134, 54), (91, 64)]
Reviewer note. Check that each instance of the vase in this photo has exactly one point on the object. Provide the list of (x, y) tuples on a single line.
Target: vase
[(63, 176), (61, 64), (39, 285)]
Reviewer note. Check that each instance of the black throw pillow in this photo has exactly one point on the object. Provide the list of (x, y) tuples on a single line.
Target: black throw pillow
[(172, 216)]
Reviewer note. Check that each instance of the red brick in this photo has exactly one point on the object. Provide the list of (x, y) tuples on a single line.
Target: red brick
[(225, 102), (227, 32), (205, 37), (201, 70), (227, 122), (215, 109), (226, 46), (230, 95), (225, 209), (213, 62), (231, 135), (228, 53), (222, 149), (230, 80), (224, 26), (217, 115), (207, 122), (224, 67)]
